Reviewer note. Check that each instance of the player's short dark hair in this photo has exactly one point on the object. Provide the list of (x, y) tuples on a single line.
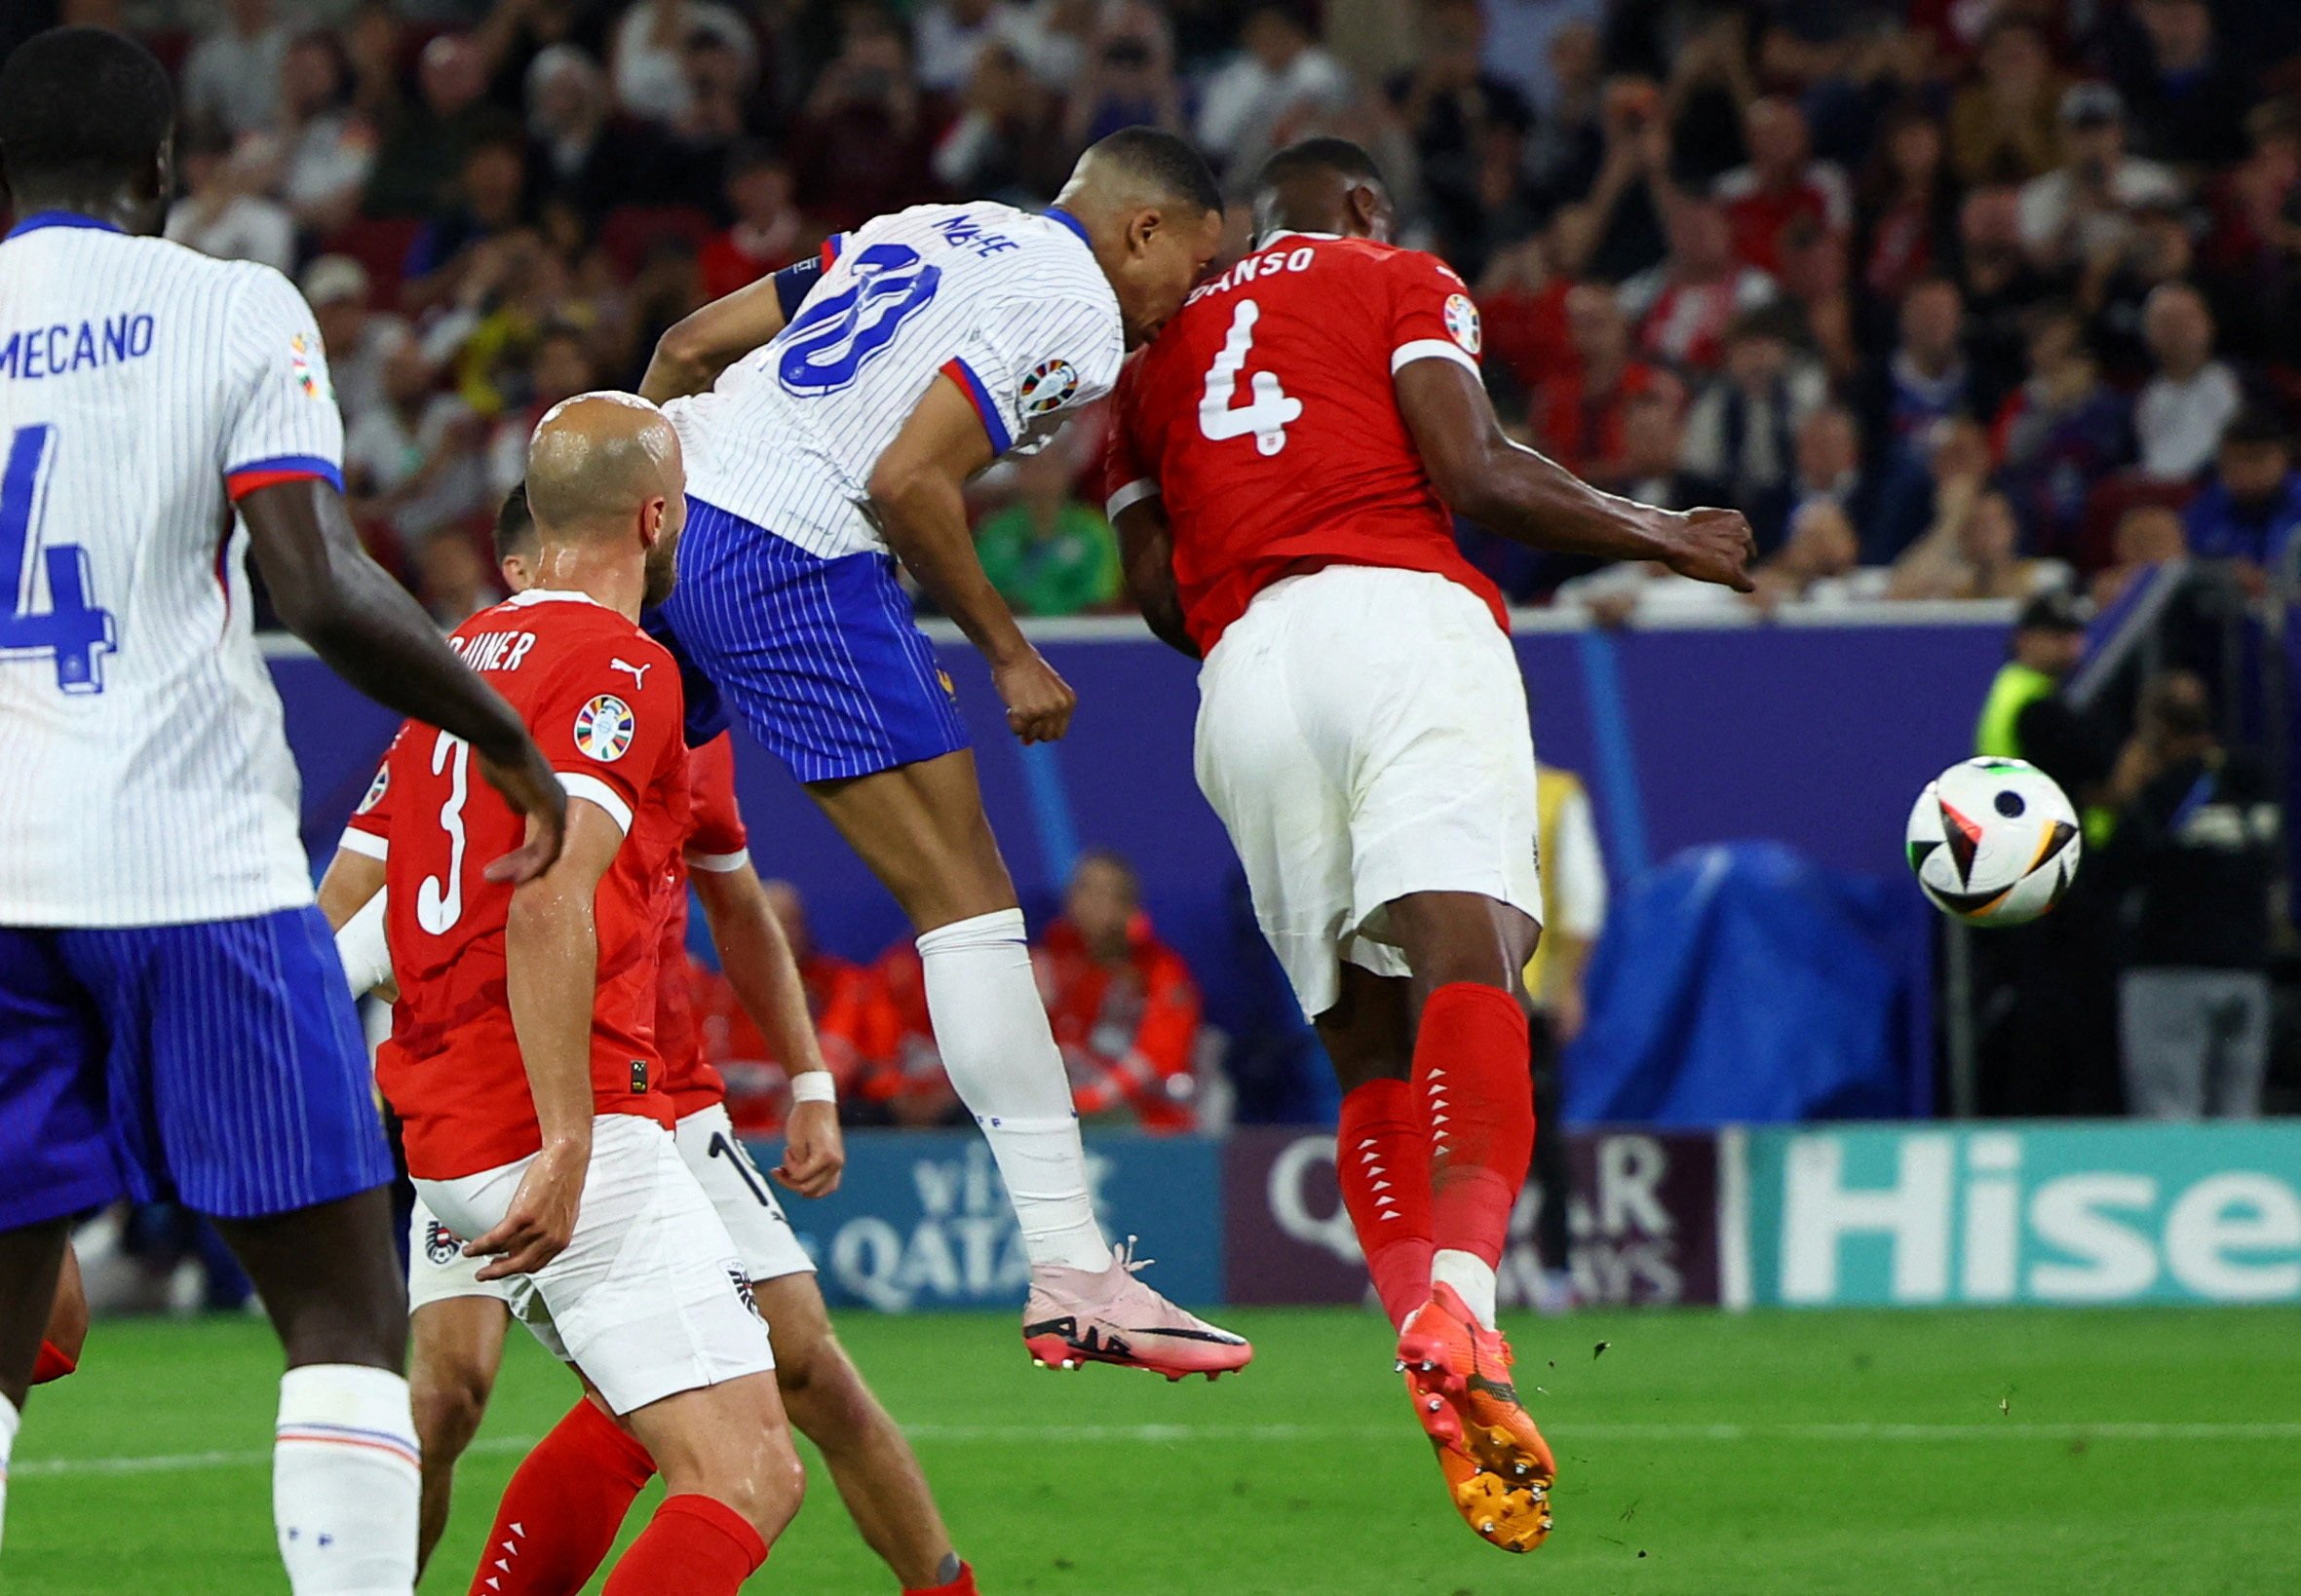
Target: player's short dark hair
[(515, 525), (1339, 156), (83, 105), (1166, 164)]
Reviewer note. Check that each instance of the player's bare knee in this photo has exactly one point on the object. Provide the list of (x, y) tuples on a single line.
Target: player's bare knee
[(449, 1403), (769, 1485)]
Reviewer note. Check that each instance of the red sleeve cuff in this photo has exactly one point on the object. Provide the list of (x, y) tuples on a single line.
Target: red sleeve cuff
[(242, 480)]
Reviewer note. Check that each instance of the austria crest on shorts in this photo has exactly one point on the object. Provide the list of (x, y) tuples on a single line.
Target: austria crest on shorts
[(1462, 322), (603, 728), (1048, 387)]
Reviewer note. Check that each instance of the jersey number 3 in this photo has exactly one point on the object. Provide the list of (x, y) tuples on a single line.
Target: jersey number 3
[(438, 904), (1267, 413), (71, 630)]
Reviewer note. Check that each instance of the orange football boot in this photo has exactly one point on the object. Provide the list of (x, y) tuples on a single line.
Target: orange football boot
[(1458, 1375)]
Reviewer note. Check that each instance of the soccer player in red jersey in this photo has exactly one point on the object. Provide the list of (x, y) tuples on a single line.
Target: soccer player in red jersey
[(522, 1062), (560, 1514), (1284, 464)]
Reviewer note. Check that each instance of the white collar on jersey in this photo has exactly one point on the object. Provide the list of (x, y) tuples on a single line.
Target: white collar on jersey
[(1271, 238), (551, 595)]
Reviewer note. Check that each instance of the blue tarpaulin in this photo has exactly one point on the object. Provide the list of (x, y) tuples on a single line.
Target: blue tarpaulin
[(1743, 982)]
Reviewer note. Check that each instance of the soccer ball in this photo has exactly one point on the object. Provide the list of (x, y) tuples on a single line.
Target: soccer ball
[(1994, 842)]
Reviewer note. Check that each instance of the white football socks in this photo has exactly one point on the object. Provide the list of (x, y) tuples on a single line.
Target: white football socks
[(1002, 1059), (9, 1418), (345, 1481), (1471, 1277)]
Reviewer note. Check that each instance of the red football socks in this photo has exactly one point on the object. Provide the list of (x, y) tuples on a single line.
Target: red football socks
[(1470, 1069), (694, 1547), (963, 1585), (561, 1512), (1382, 1159)]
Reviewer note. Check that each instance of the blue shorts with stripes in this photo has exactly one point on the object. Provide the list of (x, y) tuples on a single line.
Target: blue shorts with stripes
[(820, 657), (217, 1064)]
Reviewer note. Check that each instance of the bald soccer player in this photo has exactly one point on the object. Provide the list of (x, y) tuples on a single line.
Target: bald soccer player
[(523, 1062), (848, 403)]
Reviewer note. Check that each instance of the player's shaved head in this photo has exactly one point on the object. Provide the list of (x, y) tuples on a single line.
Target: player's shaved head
[(605, 475), (1151, 213), (85, 117), (1323, 185)]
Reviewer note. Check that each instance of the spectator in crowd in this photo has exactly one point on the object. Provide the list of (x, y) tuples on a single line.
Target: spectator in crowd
[(1462, 117), (2002, 290), (2147, 536), (324, 146), (2196, 849), (489, 199), (1578, 415), (580, 153), (1257, 101), (453, 579), (1521, 37), (1006, 141), (1819, 562), (1048, 554), (1683, 306), (1906, 224), (1923, 383), (2178, 419), (2081, 208), (559, 365), (1740, 429), (1567, 142), (231, 79), (1128, 79), (414, 463), (769, 231), (2115, 286), (1972, 549), (2189, 98), (1781, 186), (1573, 914), (2251, 509), (2005, 127), (1522, 304), (224, 213), (949, 37), (862, 140), (1654, 468), (1124, 1007), (909, 1086), (1827, 463), (424, 146), (2060, 433), (648, 63), (357, 338), (853, 1020)]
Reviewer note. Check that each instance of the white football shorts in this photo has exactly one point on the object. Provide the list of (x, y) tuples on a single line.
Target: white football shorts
[(746, 1204), (1363, 735), (650, 1298)]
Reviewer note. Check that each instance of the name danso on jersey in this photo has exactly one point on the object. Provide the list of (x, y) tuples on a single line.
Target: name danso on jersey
[(1268, 410)]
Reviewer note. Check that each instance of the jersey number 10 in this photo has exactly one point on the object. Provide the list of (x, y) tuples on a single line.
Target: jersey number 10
[(71, 630), (1266, 414)]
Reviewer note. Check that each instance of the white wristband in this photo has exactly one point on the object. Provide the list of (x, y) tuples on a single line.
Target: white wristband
[(814, 1086)]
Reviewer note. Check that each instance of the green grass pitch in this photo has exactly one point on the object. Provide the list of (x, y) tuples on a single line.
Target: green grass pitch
[(1994, 1450)]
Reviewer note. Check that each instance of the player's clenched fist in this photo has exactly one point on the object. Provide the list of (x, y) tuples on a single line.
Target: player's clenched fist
[(1713, 545), (541, 1220), (1039, 701)]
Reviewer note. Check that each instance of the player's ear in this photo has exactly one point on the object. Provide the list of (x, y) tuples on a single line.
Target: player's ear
[(651, 514), (1143, 228)]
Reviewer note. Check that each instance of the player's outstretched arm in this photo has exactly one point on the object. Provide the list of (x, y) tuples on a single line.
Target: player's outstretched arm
[(550, 946), (374, 635), (1511, 489), (917, 489), (756, 958), (1146, 556), (692, 353)]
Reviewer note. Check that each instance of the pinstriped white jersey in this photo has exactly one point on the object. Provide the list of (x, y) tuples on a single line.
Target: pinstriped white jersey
[(1010, 305), (144, 777)]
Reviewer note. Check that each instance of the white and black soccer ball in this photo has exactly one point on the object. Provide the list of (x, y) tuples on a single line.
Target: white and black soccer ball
[(1994, 842)]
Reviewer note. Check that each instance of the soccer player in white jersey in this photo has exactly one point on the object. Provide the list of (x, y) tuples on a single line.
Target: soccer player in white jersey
[(927, 344), (173, 1023)]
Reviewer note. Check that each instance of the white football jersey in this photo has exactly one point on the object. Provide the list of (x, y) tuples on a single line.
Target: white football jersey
[(145, 776), (1010, 305)]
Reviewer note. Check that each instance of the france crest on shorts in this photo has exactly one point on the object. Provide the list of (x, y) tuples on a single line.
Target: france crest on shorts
[(603, 728)]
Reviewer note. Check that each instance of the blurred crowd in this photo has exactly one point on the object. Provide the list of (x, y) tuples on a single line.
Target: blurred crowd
[(1954, 298)]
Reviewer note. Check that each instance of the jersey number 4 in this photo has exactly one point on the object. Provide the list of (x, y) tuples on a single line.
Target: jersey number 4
[(1265, 415), (71, 630)]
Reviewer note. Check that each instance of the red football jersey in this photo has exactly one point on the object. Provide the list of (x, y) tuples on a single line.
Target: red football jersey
[(715, 841), (604, 704), (1266, 418)]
